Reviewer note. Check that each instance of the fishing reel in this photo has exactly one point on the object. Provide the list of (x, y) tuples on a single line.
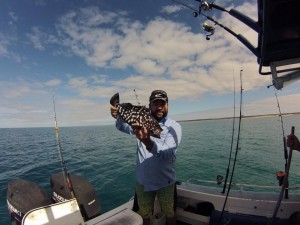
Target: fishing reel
[(203, 5), (280, 177), (219, 179), (208, 28)]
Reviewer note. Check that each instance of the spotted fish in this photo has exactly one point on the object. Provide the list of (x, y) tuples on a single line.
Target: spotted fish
[(130, 114)]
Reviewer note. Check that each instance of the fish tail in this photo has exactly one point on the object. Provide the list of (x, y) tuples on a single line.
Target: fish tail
[(115, 99)]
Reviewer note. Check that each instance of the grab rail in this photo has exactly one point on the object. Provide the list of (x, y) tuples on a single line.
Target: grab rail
[(189, 181)]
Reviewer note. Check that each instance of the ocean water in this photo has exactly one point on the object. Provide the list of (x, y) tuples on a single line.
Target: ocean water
[(106, 157)]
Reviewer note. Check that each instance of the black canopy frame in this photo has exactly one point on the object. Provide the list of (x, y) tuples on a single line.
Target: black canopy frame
[(278, 30)]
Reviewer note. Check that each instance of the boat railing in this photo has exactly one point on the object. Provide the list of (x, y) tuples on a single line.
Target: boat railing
[(241, 187)]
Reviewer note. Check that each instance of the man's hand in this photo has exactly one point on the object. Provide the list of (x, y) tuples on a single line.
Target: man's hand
[(143, 135), (140, 132), (114, 112)]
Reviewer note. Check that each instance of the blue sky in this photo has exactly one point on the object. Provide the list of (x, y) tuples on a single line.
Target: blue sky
[(83, 52)]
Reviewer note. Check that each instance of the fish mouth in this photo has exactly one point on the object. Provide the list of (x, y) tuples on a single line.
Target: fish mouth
[(155, 135)]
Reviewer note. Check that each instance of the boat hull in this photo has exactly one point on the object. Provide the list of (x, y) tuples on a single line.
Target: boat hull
[(203, 205)]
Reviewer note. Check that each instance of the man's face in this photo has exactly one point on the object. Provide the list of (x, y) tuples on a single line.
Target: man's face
[(159, 109)]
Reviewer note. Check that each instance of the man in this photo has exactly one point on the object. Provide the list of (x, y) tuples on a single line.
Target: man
[(155, 159)]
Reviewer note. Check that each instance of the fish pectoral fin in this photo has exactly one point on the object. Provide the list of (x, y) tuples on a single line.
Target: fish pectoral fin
[(136, 126), (115, 99)]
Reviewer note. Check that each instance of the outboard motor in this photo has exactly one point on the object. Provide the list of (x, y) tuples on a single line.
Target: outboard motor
[(84, 192), (23, 196)]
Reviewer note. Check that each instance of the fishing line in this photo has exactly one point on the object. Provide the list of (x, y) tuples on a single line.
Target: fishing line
[(139, 143), (282, 128), (69, 187), (232, 138), (283, 135), (287, 157), (237, 146), (136, 97)]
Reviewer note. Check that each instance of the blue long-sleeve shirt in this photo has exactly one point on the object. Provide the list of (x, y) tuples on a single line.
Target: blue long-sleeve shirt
[(156, 168)]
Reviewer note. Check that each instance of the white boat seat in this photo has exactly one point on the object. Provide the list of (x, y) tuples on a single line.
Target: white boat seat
[(66, 213), (126, 216)]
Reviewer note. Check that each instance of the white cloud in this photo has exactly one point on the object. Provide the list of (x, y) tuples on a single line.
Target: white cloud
[(5, 42), (11, 90), (160, 54), (82, 110), (93, 16), (77, 82), (251, 108), (171, 51), (13, 16), (37, 37), (53, 82), (91, 86), (81, 32), (150, 66), (99, 79), (169, 9)]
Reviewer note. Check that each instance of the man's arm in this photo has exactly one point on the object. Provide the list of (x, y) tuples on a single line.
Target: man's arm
[(124, 127), (166, 146)]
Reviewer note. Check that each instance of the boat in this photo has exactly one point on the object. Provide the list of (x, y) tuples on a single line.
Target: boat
[(197, 202)]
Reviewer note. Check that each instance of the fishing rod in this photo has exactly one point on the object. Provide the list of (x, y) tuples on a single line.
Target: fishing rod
[(232, 137), (136, 97), (205, 6), (66, 175), (285, 181), (284, 144), (237, 146)]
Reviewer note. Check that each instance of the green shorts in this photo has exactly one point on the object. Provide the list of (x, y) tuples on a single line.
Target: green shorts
[(145, 200)]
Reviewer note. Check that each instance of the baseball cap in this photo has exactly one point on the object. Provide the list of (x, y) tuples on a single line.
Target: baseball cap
[(158, 95)]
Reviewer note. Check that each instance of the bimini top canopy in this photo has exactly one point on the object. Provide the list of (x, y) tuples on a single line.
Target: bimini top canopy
[(279, 39)]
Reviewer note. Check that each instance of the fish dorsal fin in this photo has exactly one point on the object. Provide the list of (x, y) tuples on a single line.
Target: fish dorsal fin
[(115, 99)]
